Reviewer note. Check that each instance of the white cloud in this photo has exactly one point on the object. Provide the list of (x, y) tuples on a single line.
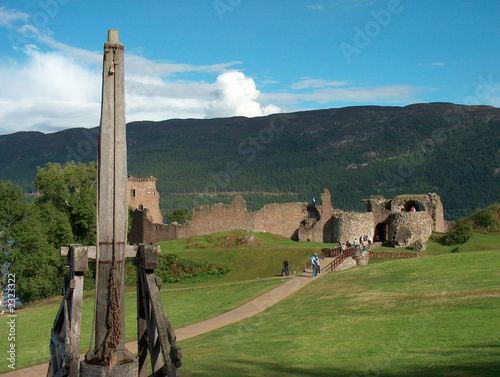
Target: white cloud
[(307, 83), (397, 94), (47, 89), (50, 91), (9, 16), (236, 95)]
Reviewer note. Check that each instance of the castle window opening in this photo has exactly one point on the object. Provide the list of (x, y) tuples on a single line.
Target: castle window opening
[(140, 207), (414, 206), (312, 212), (133, 193)]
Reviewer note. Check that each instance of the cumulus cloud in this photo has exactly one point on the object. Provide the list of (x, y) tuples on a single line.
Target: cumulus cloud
[(55, 90), (236, 96), (47, 89)]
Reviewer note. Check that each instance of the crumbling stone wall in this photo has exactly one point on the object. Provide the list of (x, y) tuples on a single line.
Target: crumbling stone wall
[(142, 194), (216, 218), (319, 230), (407, 227), (143, 230), (299, 221), (348, 226), (393, 254), (279, 218), (432, 205)]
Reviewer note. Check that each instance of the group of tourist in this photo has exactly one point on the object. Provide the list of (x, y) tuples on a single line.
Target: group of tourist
[(361, 244)]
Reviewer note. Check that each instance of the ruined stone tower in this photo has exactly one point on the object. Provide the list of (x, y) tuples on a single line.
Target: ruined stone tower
[(142, 194)]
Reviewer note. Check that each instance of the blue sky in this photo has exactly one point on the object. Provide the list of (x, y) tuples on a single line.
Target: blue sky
[(218, 58)]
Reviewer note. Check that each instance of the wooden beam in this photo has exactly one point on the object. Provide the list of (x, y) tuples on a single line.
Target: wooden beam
[(130, 251)]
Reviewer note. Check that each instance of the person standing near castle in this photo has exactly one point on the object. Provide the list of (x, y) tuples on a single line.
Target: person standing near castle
[(286, 269), (314, 265)]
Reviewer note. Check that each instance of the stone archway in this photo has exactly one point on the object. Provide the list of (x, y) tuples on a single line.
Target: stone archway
[(413, 204)]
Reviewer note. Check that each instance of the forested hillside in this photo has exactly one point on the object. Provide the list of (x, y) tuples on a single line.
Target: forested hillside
[(355, 152)]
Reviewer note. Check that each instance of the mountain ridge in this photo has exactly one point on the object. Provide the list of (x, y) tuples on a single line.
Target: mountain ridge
[(355, 152)]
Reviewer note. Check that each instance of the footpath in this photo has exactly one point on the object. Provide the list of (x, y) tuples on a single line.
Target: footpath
[(247, 310)]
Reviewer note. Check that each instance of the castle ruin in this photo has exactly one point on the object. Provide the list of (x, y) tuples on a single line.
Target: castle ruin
[(142, 194), (401, 221)]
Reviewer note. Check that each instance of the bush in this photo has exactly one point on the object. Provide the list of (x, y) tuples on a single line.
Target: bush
[(172, 269), (484, 220), (458, 235)]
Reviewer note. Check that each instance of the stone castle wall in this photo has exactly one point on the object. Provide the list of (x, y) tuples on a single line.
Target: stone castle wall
[(320, 229), (407, 227), (386, 219), (348, 226), (279, 218)]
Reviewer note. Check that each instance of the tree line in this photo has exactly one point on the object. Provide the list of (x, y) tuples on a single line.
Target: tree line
[(32, 231)]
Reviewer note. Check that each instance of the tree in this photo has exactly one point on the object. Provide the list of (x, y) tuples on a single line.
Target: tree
[(31, 234), (12, 211), (34, 259), (179, 215), (70, 191)]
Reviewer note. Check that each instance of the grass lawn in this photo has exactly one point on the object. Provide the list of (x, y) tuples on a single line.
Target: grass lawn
[(183, 306), (477, 242), (436, 316)]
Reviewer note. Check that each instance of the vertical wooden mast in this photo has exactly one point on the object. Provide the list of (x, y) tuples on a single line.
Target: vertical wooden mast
[(109, 357), (112, 207)]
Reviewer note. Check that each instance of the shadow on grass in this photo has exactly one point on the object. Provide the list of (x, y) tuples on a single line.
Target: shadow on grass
[(249, 368)]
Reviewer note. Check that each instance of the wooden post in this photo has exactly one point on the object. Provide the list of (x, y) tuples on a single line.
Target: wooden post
[(112, 216)]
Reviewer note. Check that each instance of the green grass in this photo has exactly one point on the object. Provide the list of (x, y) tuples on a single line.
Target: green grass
[(436, 316), (477, 242), (245, 262), (183, 306), (433, 316)]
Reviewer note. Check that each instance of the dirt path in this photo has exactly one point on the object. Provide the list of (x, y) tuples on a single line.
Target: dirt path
[(247, 310)]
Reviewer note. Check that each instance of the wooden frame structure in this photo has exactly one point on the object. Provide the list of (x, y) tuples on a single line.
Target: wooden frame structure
[(65, 335), (109, 357), (155, 333)]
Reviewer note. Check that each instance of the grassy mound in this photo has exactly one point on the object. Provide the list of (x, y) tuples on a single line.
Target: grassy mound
[(262, 258), (483, 221)]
